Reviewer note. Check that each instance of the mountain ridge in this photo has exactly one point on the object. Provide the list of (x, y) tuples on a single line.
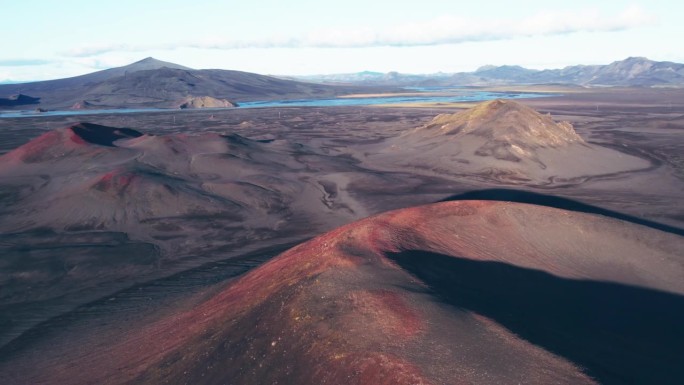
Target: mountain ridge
[(152, 83), (630, 72)]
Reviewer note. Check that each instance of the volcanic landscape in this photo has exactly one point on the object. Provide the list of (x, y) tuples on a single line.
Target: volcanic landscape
[(535, 241)]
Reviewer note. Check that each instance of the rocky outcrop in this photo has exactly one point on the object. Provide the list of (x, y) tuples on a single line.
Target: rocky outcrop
[(82, 105), (510, 130), (205, 102)]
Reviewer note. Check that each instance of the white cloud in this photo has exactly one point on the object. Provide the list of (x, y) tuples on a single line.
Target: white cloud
[(23, 62), (442, 30)]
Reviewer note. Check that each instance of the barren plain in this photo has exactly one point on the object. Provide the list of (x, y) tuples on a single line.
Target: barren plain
[(126, 239)]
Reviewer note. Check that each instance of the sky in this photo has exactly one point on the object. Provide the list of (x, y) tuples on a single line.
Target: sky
[(46, 39)]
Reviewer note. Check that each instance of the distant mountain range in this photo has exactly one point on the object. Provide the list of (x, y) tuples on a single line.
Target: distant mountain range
[(152, 83), (155, 83), (631, 72), (373, 78)]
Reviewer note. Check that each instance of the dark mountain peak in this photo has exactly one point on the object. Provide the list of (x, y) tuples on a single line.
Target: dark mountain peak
[(487, 67), (370, 73), (150, 63), (631, 62), (515, 67), (505, 67), (636, 59), (505, 72)]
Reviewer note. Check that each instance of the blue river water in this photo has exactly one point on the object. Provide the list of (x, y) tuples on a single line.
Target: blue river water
[(459, 96)]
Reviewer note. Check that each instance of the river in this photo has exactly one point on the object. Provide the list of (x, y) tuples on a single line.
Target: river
[(414, 97)]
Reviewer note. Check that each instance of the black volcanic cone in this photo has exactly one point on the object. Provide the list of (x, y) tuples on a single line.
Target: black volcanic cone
[(18, 100), (103, 135)]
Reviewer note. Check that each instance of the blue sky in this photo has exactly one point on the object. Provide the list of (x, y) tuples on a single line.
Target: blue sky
[(53, 39)]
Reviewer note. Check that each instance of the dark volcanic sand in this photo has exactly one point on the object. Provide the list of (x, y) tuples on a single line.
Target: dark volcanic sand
[(648, 124), (457, 292)]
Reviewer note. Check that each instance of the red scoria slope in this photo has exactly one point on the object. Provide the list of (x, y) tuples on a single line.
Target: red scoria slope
[(71, 139), (451, 293)]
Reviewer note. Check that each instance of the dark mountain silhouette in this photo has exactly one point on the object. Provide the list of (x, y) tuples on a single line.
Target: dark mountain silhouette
[(73, 85), (18, 100), (155, 83)]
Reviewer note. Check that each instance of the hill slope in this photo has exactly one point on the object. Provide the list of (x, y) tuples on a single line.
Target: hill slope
[(465, 292), (504, 141), (72, 197), (154, 83)]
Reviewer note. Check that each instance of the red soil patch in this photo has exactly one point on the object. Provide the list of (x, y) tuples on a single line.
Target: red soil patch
[(62, 142), (54, 144), (116, 181), (388, 310), (379, 369)]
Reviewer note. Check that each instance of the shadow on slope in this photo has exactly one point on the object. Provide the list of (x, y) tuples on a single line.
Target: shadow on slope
[(519, 196), (103, 135), (617, 333)]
